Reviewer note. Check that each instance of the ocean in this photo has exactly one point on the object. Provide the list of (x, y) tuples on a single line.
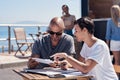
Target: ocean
[(4, 36)]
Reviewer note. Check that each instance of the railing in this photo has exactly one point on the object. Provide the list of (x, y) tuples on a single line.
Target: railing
[(17, 25)]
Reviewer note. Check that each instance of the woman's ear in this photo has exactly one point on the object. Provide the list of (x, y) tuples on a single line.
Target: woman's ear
[(84, 29)]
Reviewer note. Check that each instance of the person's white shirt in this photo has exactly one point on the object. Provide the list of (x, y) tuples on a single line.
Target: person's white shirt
[(99, 52)]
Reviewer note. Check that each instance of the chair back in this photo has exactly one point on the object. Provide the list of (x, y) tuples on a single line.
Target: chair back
[(20, 34), (117, 68)]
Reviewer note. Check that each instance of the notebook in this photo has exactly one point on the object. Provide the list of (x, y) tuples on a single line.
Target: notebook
[(55, 72)]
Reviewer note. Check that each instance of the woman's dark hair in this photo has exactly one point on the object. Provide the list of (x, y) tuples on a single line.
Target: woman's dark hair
[(86, 22)]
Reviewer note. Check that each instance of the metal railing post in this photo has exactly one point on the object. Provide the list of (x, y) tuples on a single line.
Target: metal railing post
[(9, 39), (38, 29)]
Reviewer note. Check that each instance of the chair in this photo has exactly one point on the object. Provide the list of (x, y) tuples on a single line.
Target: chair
[(117, 68), (21, 40)]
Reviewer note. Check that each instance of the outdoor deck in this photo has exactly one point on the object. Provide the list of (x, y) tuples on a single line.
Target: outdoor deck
[(9, 60)]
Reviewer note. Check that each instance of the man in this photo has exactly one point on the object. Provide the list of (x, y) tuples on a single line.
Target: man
[(55, 41), (68, 20)]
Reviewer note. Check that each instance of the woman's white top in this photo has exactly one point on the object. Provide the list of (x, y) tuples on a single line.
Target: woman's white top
[(100, 53)]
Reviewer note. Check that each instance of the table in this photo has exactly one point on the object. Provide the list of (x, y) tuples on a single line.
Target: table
[(33, 76), (37, 35)]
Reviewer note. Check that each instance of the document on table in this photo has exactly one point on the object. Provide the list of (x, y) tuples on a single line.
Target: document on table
[(55, 72), (45, 61)]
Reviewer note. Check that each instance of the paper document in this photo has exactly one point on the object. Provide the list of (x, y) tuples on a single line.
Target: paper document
[(69, 70), (42, 71), (73, 74), (55, 72), (45, 61)]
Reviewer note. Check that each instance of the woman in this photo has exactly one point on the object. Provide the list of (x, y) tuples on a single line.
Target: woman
[(95, 57), (113, 33)]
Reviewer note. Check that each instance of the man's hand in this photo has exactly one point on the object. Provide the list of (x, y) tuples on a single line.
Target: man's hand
[(32, 63)]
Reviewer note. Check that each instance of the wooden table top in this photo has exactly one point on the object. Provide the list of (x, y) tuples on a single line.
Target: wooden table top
[(34, 76)]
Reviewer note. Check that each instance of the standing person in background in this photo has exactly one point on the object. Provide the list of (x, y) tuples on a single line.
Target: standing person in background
[(113, 33), (68, 20)]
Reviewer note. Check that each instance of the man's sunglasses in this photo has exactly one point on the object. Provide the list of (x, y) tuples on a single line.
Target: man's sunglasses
[(57, 33)]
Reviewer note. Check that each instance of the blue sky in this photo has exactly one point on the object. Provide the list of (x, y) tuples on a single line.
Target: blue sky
[(39, 11)]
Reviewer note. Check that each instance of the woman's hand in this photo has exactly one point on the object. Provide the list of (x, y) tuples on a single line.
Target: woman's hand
[(58, 56), (61, 64), (56, 64), (64, 65)]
